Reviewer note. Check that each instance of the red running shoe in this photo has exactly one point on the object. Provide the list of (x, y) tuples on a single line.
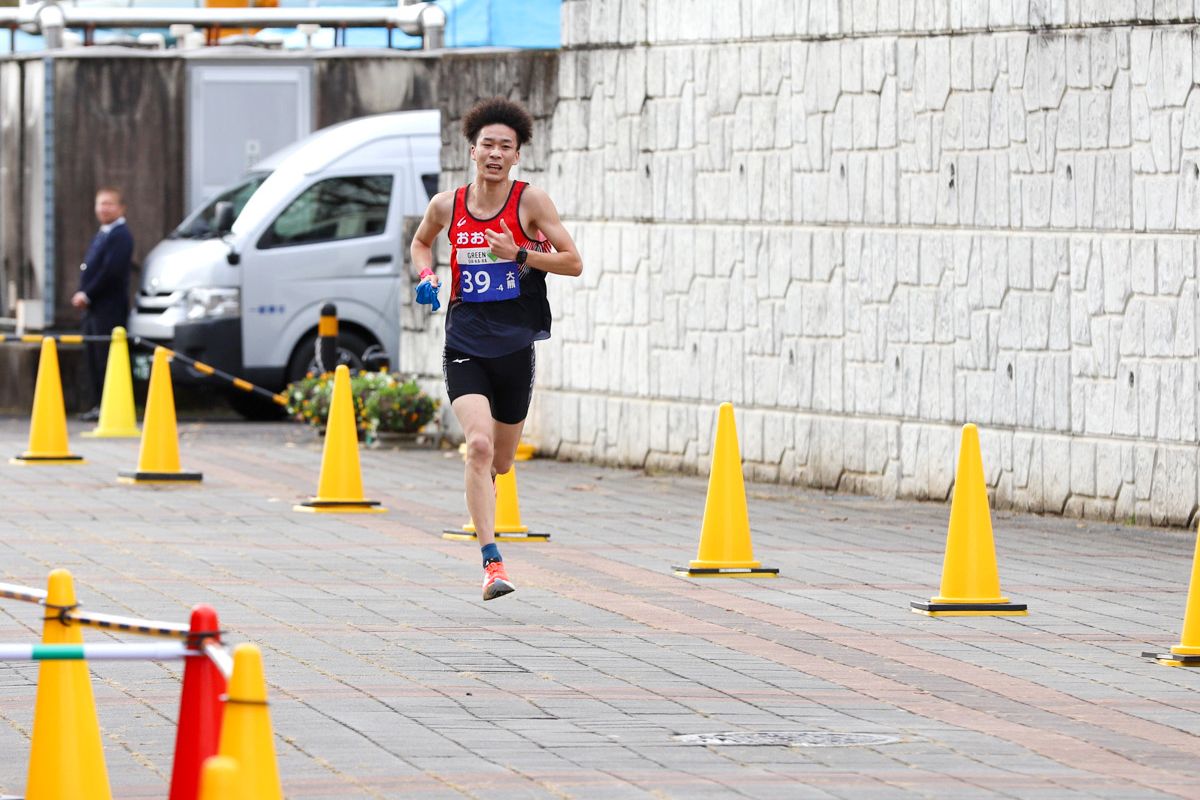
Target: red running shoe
[(495, 581)]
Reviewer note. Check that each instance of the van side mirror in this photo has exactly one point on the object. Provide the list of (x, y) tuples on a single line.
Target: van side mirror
[(225, 217), (233, 257)]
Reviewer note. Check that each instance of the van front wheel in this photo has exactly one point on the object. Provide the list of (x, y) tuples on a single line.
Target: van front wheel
[(351, 347)]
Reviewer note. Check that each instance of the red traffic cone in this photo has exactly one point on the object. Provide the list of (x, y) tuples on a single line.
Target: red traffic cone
[(200, 708)]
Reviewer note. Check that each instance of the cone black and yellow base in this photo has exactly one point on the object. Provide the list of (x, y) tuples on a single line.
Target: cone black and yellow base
[(467, 534), (316, 506), (139, 476), (28, 459), (726, 572), (1172, 659), (933, 609)]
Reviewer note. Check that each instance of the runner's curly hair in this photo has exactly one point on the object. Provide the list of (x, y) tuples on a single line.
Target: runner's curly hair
[(498, 111)]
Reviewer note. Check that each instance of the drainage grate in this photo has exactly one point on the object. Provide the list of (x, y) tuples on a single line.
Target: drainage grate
[(788, 739)]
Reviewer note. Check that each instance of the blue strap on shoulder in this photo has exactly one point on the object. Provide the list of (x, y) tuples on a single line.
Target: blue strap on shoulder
[(427, 294)]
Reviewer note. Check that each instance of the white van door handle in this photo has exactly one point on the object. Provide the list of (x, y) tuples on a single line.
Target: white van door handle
[(379, 265)]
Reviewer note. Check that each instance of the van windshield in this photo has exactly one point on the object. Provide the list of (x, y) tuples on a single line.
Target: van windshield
[(202, 224)]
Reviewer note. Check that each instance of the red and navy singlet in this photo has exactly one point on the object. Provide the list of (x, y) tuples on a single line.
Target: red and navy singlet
[(496, 307)]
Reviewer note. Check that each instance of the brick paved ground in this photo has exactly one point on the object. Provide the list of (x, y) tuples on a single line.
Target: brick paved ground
[(389, 677)]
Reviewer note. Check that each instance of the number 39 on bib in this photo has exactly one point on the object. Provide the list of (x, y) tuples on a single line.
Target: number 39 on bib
[(481, 279)]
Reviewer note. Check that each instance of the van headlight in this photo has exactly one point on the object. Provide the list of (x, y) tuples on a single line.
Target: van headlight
[(210, 303)]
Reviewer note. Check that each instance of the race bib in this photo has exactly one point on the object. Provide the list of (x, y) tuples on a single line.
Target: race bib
[(484, 279)]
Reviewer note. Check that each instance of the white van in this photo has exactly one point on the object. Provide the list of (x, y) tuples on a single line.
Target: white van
[(240, 283)]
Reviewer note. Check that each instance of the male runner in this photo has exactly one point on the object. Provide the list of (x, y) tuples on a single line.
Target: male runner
[(505, 235)]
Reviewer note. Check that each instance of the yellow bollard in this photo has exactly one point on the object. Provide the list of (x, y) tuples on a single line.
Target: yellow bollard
[(66, 759), (48, 423), (118, 417), (246, 726), (970, 579), (725, 550)]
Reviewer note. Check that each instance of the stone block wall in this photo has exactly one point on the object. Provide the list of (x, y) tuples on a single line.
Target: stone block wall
[(868, 222)]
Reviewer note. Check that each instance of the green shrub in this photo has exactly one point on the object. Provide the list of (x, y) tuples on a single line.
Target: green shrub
[(383, 402)]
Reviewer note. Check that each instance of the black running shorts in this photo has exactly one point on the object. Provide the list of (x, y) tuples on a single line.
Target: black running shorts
[(506, 381)]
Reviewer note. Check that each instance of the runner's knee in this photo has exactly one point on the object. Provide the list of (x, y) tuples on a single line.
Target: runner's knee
[(480, 450), (502, 463)]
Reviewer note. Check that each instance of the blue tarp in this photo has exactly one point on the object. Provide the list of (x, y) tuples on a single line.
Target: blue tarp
[(503, 23), (469, 23)]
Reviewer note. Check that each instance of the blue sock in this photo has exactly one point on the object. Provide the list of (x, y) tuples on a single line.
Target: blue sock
[(490, 553)]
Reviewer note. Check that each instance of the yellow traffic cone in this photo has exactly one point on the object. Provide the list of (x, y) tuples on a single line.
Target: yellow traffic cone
[(508, 516), (246, 726), (158, 458), (118, 418), (725, 550), (340, 488), (48, 423), (970, 579), (1187, 652), (221, 779), (66, 759)]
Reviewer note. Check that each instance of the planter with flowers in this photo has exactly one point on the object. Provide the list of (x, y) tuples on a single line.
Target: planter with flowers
[(384, 403)]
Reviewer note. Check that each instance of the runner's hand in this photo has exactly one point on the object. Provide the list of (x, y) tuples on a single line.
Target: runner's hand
[(433, 279), (427, 294), (503, 245)]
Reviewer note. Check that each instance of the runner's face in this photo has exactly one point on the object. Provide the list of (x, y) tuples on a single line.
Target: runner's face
[(495, 152)]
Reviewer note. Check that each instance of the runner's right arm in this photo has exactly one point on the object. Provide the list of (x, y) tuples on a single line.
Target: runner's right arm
[(437, 217)]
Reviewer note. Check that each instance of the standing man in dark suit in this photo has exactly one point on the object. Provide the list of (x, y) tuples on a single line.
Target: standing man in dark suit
[(104, 286)]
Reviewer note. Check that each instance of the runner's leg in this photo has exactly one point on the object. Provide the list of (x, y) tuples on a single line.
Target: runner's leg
[(474, 414), (505, 439), (514, 382)]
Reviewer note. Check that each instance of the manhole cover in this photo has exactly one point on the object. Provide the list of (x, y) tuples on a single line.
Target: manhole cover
[(789, 739)]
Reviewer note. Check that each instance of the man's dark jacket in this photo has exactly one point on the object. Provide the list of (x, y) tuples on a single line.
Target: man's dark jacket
[(105, 279)]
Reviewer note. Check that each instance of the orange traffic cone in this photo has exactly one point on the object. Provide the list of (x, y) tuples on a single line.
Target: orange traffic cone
[(970, 579), (158, 458), (340, 488), (508, 516), (725, 550), (246, 728), (48, 423), (1187, 652), (67, 757)]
